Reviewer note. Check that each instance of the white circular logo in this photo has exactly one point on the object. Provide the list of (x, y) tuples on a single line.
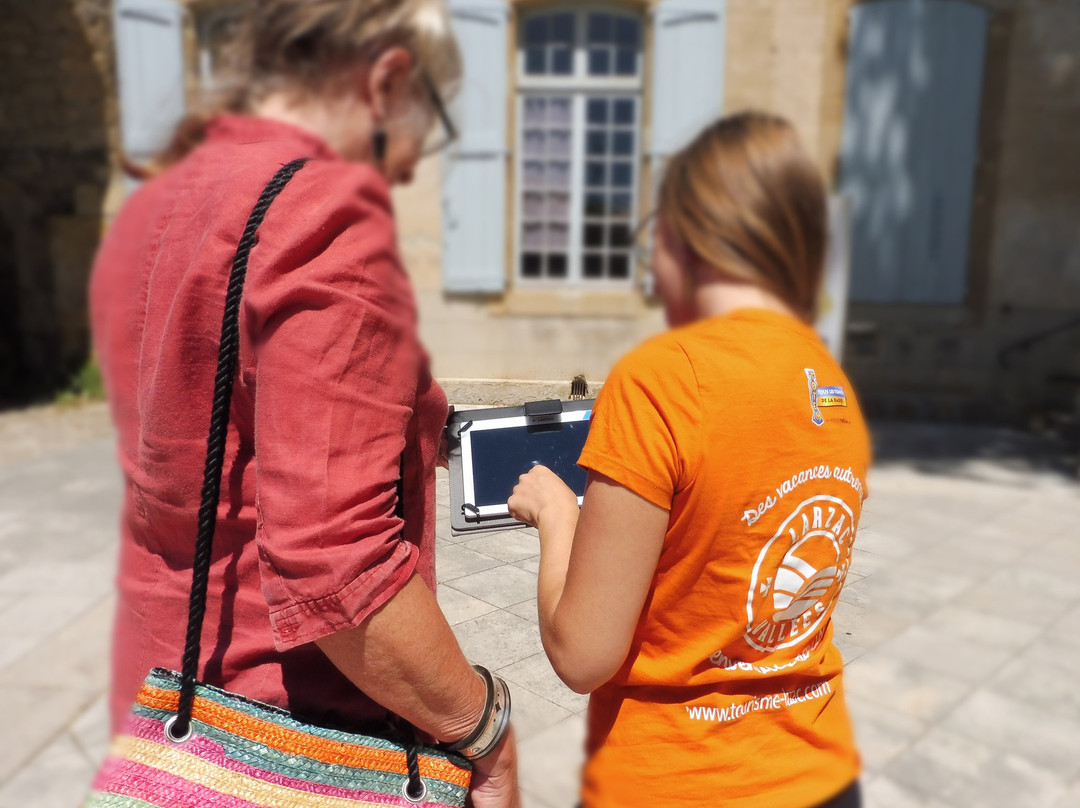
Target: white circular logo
[(799, 574)]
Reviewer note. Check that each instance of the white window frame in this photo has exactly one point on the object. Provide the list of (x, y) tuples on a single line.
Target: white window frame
[(579, 87)]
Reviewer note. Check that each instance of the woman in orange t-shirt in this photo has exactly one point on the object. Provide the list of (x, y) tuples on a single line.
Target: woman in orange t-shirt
[(693, 592)]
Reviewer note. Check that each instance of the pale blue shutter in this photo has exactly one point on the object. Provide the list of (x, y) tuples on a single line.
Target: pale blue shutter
[(875, 149), (474, 171), (958, 34), (687, 72), (150, 72), (914, 88)]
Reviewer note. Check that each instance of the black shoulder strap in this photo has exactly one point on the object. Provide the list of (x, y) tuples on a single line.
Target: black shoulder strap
[(228, 353)]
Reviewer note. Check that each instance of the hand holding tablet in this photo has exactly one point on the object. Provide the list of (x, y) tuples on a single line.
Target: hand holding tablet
[(490, 449)]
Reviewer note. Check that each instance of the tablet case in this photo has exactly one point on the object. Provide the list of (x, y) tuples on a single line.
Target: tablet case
[(461, 521)]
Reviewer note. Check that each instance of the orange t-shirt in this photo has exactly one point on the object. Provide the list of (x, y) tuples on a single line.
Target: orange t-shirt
[(746, 430)]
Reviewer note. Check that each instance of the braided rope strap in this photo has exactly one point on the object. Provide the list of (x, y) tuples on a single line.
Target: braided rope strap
[(178, 729), (228, 352)]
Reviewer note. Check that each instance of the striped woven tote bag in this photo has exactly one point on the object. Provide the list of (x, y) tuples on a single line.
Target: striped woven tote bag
[(189, 745)]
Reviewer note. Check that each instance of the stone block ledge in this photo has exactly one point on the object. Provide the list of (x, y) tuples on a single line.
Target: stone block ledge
[(467, 393)]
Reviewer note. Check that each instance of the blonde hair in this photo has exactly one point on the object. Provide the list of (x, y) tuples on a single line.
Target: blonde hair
[(747, 201), (312, 46)]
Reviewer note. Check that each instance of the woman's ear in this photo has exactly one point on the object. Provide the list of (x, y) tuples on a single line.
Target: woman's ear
[(387, 81)]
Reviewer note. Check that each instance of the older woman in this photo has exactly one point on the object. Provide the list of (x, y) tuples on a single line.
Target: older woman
[(692, 595), (327, 606)]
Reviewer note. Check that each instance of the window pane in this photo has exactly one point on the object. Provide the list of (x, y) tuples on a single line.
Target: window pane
[(530, 265), (558, 143), (601, 28), (559, 175), (558, 236), (532, 237), (594, 266), (622, 144), (626, 62), (533, 205), (600, 61), (595, 174), (559, 206), (620, 204), (620, 236), (619, 266), (594, 205), (535, 109), (534, 142), (562, 61), (598, 110), (536, 31), (557, 266), (627, 32), (624, 111), (535, 61), (559, 111), (596, 143), (622, 175), (534, 173), (594, 235), (562, 28)]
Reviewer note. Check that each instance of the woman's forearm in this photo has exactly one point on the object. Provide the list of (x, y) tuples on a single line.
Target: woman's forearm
[(405, 657), (596, 566), (556, 544)]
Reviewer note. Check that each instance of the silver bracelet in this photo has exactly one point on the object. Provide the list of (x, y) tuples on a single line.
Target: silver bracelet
[(493, 724)]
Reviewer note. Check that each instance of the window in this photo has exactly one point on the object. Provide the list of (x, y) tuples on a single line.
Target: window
[(579, 145)]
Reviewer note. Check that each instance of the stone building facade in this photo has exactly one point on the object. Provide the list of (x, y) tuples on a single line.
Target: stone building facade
[(1011, 347), (992, 352), (58, 123)]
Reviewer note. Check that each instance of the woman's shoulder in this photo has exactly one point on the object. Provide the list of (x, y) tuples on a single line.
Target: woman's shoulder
[(336, 192), (242, 153), (661, 356), (331, 236)]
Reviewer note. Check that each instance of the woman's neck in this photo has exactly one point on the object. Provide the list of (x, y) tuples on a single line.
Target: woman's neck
[(340, 123), (717, 298)]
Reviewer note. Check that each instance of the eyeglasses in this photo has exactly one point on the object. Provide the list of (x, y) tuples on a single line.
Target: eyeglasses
[(644, 242), (644, 247), (447, 133)]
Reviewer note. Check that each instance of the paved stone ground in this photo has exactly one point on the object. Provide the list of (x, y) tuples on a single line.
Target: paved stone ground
[(958, 624)]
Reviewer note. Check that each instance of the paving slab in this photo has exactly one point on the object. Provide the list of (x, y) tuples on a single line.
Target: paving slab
[(958, 624), (961, 771), (897, 684)]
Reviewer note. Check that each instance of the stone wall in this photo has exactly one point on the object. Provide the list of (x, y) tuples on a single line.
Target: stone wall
[(57, 121), (1036, 245)]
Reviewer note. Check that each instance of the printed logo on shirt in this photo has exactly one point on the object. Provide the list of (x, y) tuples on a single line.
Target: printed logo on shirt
[(799, 574), (831, 397), (811, 383)]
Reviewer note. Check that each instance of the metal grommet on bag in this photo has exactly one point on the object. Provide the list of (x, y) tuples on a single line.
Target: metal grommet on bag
[(415, 799), (169, 736)]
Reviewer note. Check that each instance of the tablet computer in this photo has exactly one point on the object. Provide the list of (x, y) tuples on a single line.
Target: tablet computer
[(490, 449)]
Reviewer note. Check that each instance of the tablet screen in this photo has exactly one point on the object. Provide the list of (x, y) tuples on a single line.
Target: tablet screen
[(496, 453)]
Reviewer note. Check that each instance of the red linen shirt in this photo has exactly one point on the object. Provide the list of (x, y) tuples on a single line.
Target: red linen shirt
[(334, 400)]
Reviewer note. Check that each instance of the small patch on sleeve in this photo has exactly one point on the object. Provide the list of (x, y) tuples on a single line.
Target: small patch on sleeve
[(831, 397)]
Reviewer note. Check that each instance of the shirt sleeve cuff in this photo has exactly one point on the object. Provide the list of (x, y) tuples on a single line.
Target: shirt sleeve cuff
[(302, 623), (628, 478)]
